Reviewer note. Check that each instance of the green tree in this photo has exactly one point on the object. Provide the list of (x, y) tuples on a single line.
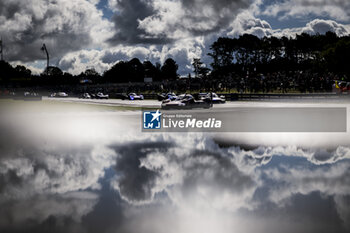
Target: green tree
[(53, 71), (137, 71), (169, 69), (197, 64), (200, 70)]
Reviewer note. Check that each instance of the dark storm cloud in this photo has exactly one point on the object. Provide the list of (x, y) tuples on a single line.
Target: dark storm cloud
[(62, 26), (162, 22), (224, 11), (126, 23)]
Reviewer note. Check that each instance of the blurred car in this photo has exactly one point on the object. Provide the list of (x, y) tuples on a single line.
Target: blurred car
[(164, 96), (60, 94), (134, 96), (184, 101), (341, 87), (100, 95), (85, 96), (214, 98), (29, 96)]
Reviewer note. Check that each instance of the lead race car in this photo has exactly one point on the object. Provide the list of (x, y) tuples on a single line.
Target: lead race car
[(185, 101)]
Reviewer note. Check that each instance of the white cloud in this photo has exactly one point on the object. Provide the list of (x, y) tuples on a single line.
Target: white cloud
[(63, 26), (316, 26), (183, 51), (152, 30), (338, 10), (322, 26), (181, 19), (246, 23)]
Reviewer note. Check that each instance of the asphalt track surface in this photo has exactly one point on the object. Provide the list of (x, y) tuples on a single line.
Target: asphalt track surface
[(110, 102), (228, 105)]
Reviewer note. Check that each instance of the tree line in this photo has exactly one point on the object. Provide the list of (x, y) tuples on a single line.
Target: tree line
[(232, 59), (121, 72), (248, 53)]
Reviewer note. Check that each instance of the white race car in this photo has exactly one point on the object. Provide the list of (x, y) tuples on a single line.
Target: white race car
[(134, 96), (59, 94), (100, 95), (214, 98), (184, 101)]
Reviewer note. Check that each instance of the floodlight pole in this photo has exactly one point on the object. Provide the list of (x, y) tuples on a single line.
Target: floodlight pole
[(47, 57), (1, 49)]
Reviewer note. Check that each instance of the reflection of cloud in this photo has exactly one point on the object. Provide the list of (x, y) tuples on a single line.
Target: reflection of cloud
[(50, 172), (43, 172), (343, 208), (180, 182), (187, 175), (263, 155), (40, 209), (330, 181)]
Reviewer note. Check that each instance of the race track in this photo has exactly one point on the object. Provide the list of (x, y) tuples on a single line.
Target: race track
[(227, 105)]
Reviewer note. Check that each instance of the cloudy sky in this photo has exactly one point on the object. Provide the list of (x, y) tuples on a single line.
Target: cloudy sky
[(83, 34)]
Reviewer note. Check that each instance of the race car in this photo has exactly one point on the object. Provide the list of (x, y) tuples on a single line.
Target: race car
[(60, 94), (31, 96), (164, 96), (85, 96), (214, 98), (134, 96), (184, 101), (100, 95)]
